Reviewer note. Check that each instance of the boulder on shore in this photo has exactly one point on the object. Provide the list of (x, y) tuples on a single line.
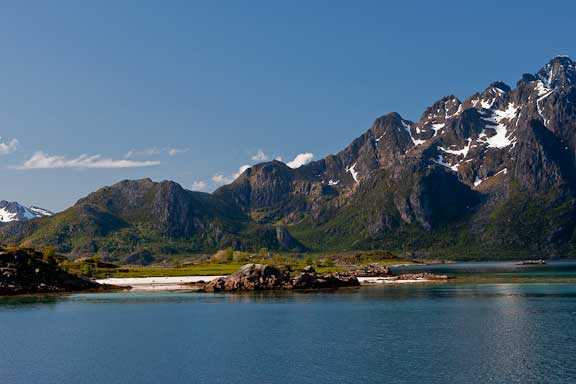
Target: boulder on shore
[(262, 277)]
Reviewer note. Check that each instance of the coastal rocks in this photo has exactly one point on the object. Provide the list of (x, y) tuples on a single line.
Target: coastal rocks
[(251, 277), (27, 271), (307, 280), (371, 270), (262, 277)]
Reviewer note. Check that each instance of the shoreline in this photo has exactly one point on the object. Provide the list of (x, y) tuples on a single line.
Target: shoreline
[(186, 283)]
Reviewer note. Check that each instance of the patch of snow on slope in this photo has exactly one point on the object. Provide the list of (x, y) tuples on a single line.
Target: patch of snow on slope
[(353, 172), (443, 163), (542, 97), (479, 181), (501, 139), (437, 127), (464, 151), (332, 182), (541, 88), (40, 211), (6, 216), (407, 128), (487, 104)]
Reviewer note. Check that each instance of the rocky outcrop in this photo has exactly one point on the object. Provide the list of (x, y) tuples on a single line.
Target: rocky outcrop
[(371, 270), (261, 277), (26, 272)]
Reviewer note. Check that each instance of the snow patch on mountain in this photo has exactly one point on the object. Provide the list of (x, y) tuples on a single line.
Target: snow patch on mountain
[(353, 172), (464, 151), (440, 161), (407, 127), (40, 211), (437, 128), (502, 138)]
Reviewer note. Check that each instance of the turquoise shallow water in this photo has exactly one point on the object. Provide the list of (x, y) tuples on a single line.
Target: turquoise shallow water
[(446, 333)]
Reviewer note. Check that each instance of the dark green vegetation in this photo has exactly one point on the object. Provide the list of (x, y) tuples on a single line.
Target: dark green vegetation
[(490, 177)]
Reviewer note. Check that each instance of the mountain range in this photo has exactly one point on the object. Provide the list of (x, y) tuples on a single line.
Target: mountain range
[(490, 176)]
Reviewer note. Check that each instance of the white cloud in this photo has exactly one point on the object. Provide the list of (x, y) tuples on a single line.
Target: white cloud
[(223, 179), (199, 185), (176, 151), (8, 147), (155, 151), (300, 160), (41, 160), (260, 156)]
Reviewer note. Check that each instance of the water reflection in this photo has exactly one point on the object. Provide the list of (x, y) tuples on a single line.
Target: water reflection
[(449, 333)]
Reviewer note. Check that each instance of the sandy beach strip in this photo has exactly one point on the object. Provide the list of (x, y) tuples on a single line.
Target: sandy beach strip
[(171, 283)]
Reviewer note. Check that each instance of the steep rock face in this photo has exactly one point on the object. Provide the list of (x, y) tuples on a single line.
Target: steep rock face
[(273, 191)]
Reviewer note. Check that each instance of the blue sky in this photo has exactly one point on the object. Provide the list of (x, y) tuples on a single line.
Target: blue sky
[(95, 92)]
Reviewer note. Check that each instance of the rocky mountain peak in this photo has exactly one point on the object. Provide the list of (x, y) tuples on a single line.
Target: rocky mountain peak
[(13, 211), (559, 72), (500, 85)]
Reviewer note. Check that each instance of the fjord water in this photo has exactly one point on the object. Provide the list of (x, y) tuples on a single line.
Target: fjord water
[(465, 332)]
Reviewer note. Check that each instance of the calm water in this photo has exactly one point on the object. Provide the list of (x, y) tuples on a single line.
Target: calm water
[(447, 333)]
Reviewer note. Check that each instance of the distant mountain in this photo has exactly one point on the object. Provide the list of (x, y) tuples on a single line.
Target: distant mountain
[(13, 211), (491, 176), (136, 214)]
